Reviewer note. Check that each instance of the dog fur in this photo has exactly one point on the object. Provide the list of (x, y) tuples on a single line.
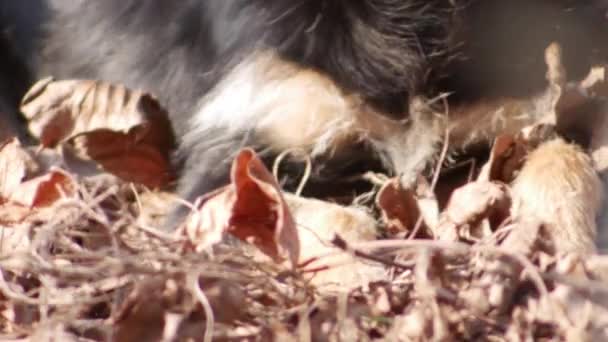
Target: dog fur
[(324, 76)]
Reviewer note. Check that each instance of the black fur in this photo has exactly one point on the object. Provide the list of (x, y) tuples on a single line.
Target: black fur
[(381, 50)]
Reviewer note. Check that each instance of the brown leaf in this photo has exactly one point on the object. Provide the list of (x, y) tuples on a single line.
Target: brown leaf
[(126, 131), (44, 190), (506, 158), (260, 214), (124, 157), (402, 209), (251, 208), (398, 206)]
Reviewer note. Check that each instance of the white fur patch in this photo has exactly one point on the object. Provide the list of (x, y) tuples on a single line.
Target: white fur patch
[(290, 107)]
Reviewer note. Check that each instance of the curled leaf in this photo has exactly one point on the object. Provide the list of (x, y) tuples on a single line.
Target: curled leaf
[(251, 208), (399, 207), (506, 158), (470, 206), (126, 131)]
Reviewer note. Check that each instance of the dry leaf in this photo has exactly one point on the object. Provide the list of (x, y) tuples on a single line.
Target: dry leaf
[(126, 131), (251, 208), (60, 110), (130, 160), (208, 223), (402, 209), (260, 214), (506, 157), (469, 206), (318, 222), (398, 206), (44, 190)]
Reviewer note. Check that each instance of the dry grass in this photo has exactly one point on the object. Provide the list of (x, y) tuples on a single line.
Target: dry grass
[(88, 268)]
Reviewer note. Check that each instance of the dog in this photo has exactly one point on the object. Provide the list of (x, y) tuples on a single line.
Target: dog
[(343, 80)]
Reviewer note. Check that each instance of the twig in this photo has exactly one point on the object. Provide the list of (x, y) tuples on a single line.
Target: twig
[(339, 242), (307, 170), (209, 318)]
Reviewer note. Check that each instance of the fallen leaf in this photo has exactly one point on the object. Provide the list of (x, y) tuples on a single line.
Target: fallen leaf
[(260, 215), (44, 190), (469, 206), (318, 223), (403, 209), (124, 157), (126, 131), (251, 208), (398, 206), (506, 158), (209, 221)]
